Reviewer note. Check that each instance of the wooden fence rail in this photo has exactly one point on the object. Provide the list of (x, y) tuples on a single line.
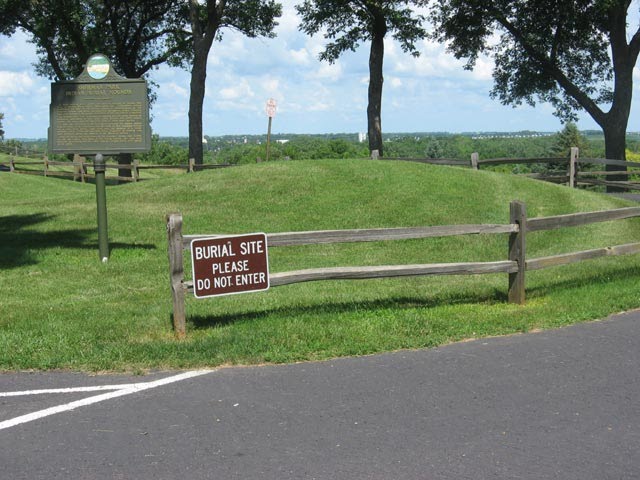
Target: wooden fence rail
[(573, 177), (80, 168), (515, 265)]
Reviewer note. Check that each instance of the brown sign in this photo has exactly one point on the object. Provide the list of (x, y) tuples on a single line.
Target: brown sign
[(226, 265)]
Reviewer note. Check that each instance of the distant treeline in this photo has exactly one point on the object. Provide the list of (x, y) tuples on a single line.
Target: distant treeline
[(237, 150), (241, 149)]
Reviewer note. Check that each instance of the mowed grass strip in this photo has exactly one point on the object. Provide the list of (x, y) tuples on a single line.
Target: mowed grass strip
[(61, 308)]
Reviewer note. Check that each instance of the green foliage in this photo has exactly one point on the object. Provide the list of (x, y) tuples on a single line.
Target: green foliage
[(152, 34), (300, 147), (164, 153), (1, 129), (246, 149), (347, 23), (541, 42), (569, 137), (560, 52), (13, 144)]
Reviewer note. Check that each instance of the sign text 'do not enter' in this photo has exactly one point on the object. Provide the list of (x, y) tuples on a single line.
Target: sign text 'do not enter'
[(227, 265)]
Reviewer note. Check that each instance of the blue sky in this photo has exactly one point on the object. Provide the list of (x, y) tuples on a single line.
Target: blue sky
[(430, 93)]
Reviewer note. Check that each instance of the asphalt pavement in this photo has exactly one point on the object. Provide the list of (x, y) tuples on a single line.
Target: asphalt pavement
[(559, 404)]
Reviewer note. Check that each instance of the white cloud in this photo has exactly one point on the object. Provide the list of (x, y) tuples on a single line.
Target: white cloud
[(331, 72), (173, 113), (300, 57), (237, 91), (15, 83), (395, 82), (16, 49), (435, 62), (176, 90), (289, 21)]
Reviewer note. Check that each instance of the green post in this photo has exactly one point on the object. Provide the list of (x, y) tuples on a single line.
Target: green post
[(269, 137), (101, 198)]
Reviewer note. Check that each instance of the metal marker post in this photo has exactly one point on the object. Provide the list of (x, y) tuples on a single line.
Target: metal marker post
[(101, 198), (271, 112), (269, 137)]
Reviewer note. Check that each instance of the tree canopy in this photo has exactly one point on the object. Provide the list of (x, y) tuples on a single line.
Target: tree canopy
[(137, 35), (348, 23), (1, 129), (573, 54)]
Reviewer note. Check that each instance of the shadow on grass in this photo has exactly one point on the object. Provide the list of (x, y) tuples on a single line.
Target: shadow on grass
[(198, 322), (494, 296), (583, 281), (18, 240)]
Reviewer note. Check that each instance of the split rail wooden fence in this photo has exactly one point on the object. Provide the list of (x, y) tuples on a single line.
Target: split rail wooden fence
[(515, 265), (81, 170), (574, 175)]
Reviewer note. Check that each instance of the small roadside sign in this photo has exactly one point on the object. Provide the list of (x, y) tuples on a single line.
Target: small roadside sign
[(229, 265), (271, 108)]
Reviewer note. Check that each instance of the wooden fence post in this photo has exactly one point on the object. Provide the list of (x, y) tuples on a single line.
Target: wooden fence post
[(176, 272), (474, 160), (136, 172), (77, 167), (46, 165), (192, 162), (517, 252), (12, 165), (83, 169), (572, 166)]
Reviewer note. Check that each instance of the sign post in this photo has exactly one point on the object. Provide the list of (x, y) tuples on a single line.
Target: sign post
[(229, 265), (99, 113), (271, 112), (101, 200)]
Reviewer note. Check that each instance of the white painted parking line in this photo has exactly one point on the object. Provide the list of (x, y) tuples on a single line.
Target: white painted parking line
[(97, 388), (120, 391)]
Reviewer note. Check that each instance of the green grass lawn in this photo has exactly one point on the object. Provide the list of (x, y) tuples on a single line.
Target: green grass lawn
[(61, 308)]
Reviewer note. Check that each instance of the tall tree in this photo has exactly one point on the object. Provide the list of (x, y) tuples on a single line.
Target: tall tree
[(347, 23), (1, 129), (573, 54), (137, 35), (207, 18), (567, 138)]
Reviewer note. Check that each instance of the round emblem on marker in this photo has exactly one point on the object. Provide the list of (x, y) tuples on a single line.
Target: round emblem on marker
[(98, 67)]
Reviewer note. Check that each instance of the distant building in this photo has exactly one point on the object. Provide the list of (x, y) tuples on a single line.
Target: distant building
[(362, 137)]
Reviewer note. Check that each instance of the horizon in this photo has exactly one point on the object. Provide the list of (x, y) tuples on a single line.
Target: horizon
[(482, 135)]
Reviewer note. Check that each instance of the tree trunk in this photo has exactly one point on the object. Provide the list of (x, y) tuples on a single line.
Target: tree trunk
[(623, 57), (615, 131), (125, 159), (196, 102), (374, 108)]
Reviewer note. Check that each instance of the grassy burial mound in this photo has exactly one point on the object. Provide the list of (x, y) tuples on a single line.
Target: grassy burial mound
[(61, 308)]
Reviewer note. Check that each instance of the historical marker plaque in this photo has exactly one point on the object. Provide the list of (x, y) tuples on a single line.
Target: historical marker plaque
[(228, 265), (99, 112)]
